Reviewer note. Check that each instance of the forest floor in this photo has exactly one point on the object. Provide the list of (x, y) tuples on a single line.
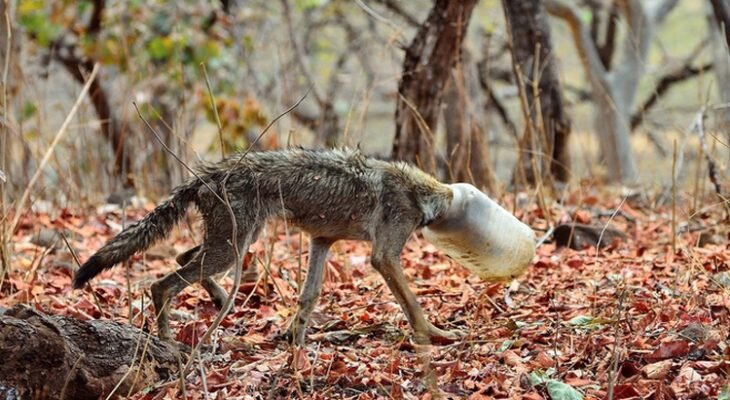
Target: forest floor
[(653, 321)]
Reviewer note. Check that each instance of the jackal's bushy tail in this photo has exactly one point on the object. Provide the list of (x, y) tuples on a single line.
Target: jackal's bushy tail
[(140, 236)]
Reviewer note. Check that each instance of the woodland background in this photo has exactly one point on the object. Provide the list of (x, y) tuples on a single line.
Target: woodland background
[(612, 114)]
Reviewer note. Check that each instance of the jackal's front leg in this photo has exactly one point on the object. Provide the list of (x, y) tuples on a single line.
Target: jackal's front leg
[(386, 260), (318, 249)]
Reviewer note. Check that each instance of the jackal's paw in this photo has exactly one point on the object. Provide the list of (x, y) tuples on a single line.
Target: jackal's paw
[(439, 336), (166, 336), (181, 348), (219, 299)]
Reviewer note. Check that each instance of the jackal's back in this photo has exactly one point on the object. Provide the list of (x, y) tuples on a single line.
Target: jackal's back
[(338, 192)]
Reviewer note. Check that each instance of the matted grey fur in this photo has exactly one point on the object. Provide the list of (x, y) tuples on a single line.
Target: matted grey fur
[(331, 194)]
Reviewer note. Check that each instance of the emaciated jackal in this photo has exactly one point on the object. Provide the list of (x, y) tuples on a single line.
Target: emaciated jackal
[(332, 195)]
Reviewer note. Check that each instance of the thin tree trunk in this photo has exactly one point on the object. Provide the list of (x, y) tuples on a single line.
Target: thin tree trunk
[(721, 12), (109, 122), (614, 90), (719, 29), (426, 70), (466, 148), (533, 57), (328, 121), (10, 79), (79, 67)]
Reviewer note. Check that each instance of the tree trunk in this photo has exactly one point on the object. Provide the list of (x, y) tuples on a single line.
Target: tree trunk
[(110, 126), (721, 13), (614, 89), (612, 125), (426, 70), (467, 153), (80, 67), (14, 71), (719, 29), (9, 89), (530, 34), (328, 122), (55, 357), (10, 55)]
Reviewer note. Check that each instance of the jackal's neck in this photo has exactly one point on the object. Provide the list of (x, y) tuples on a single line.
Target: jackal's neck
[(434, 197)]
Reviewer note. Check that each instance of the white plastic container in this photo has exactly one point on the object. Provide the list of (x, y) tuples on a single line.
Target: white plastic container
[(482, 236)]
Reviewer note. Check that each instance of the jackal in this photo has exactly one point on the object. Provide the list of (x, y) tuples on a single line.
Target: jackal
[(332, 195)]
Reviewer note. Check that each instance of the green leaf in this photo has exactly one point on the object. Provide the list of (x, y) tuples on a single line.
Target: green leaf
[(305, 5), (29, 110), (160, 48), (248, 43), (30, 6), (586, 321), (538, 377), (82, 6), (206, 51), (724, 393), (38, 24), (562, 391), (506, 345), (585, 16), (581, 320)]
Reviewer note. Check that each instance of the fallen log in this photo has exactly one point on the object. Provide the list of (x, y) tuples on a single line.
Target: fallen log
[(59, 357)]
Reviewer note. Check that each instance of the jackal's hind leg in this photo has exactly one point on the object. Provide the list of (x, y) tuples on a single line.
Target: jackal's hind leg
[(318, 249), (216, 292), (185, 257), (215, 256)]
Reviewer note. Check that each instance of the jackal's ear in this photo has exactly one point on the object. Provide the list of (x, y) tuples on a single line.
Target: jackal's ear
[(434, 206)]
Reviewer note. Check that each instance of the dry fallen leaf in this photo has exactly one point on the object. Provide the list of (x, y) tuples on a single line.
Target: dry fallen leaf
[(360, 341), (658, 370)]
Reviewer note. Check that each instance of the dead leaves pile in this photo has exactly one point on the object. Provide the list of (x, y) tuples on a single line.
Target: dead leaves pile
[(631, 320)]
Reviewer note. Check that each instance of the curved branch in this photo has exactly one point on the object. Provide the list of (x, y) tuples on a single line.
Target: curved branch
[(493, 100), (300, 56), (97, 14), (587, 50), (396, 9), (606, 49), (665, 83), (661, 10), (630, 68), (109, 124)]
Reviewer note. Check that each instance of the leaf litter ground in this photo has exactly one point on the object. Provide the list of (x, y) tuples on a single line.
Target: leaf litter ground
[(654, 322)]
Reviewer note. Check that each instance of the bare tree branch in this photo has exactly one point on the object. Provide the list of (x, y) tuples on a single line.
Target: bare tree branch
[(300, 56), (586, 47), (635, 48), (328, 120), (665, 83), (97, 14), (108, 123), (660, 11), (607, 47), (493, 100), (396, 9)]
